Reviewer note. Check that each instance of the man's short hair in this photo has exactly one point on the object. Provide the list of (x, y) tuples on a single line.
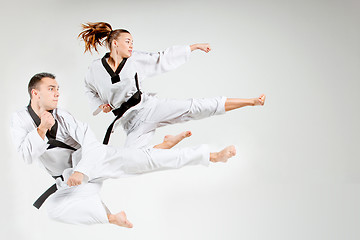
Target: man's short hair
[(34, 81)]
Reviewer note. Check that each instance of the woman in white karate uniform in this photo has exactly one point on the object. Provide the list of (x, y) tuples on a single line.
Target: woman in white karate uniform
[(115, 79)]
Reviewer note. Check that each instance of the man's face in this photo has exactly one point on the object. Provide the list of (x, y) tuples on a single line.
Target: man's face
[(46, 94)]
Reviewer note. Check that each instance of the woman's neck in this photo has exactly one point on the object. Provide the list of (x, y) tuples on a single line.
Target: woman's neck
[(114, 60)]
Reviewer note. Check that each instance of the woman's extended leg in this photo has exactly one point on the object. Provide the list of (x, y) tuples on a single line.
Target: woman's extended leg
[(230, 104), (162, 112), (168, 111)]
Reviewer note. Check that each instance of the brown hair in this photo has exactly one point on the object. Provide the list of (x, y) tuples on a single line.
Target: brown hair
[(95, 34)]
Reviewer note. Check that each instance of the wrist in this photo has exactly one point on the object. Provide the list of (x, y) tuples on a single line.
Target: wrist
[(41, 132), (42, 128), (79, 173), (194, 47)]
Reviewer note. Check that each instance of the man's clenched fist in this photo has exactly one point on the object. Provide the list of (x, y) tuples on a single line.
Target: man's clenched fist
[(46, 122), (75, 179)]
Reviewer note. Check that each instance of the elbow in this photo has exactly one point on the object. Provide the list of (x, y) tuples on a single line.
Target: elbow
[(27, 157)]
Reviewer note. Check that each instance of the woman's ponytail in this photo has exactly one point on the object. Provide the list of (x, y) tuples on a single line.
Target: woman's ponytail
[(94, 34)]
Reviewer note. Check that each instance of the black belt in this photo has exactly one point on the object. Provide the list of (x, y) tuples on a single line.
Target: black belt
[(119, 112), (47, 193)]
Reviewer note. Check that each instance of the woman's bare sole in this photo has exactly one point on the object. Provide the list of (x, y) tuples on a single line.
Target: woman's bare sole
[(120, 219), (171, 140), (223, 155)]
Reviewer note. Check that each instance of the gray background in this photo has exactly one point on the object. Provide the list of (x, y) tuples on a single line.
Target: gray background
[(296, 175)]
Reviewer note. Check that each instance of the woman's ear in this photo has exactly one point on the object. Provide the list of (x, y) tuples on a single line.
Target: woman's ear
[(114, 43)]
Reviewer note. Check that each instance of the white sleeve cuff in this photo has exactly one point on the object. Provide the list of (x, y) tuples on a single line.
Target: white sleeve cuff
[(39, 145)]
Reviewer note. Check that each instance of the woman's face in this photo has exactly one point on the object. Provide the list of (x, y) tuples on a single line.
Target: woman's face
[(123, 45)]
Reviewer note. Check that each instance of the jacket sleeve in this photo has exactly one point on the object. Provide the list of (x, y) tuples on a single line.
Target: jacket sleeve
[(28, 143), (151, 64), (92, 94)]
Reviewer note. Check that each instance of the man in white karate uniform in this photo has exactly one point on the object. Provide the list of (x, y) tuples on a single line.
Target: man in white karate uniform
[(70, 153)]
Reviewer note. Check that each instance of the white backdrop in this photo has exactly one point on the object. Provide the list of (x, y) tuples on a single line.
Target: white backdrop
[(296, 175)]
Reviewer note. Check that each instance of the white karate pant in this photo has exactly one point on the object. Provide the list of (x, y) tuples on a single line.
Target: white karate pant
[(140, 124), (82, 204)]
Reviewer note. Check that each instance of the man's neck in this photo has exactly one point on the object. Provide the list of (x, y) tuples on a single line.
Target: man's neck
[(37, 109)]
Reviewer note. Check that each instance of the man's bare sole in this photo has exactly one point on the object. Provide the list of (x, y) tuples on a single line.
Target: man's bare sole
[(223, 155), (120, 219)]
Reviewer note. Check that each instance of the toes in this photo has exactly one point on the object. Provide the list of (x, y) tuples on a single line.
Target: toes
[(185, 134), (233, 151), (128, 224)]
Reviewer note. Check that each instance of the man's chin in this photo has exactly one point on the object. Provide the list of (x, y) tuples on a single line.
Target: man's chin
[(50, 108)]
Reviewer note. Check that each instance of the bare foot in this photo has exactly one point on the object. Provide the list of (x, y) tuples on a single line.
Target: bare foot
[(171, 140), (260, 100), (120, 219), (223, 155)]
